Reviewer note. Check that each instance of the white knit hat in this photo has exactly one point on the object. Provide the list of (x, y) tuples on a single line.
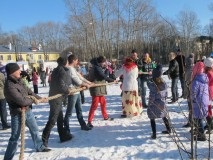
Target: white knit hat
[(204, 57), (208, 62)]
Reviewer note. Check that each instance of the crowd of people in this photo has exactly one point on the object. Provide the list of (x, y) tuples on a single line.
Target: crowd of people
[(136, 73)]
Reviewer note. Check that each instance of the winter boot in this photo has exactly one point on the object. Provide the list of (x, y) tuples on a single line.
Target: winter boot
[(209, 125), (167, 124), (153, 125), (200, 137)]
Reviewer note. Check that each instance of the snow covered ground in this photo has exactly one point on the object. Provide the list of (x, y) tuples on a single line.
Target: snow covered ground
[(121, 139)]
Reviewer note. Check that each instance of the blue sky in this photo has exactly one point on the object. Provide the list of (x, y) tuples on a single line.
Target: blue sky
[(15, 14)]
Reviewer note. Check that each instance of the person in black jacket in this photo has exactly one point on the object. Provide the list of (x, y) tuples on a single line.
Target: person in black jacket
[(180, 58), (173, 73), (60, 82), (145, 68), (17, 97)]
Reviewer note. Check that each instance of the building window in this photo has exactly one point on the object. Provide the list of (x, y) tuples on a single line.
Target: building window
[(20, 58), (39, 57), (1, 57), (9, 57), (46, 57)]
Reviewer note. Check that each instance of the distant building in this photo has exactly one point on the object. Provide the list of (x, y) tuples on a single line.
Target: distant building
[(33, 56)]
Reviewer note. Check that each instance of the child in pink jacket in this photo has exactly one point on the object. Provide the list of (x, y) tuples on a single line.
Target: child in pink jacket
[(35, 82)]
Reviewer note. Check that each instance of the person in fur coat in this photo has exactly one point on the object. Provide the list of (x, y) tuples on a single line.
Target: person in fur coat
[(157, 101), (131, 101)]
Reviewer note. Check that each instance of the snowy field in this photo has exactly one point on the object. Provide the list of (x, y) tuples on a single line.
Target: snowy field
[(121, 139)]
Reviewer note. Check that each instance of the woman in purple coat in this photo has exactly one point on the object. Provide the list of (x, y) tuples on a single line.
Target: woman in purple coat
[(157, 101), (200, 99)]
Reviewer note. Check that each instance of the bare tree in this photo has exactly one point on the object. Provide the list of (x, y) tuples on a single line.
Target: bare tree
[(188, 26)]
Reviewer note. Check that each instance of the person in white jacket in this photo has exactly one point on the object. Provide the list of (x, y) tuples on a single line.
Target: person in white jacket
[(131, 101), (75, 100)]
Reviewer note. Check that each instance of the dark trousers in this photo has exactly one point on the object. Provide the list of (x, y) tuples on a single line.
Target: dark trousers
[(35, 87), (82, 97), (174, 89), (55, 115), (3, 112), (182, 82)]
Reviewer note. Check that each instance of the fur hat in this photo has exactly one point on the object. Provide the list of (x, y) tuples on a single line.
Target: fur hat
[(101, 59), (157, 72), (208, 62), (11, 68)]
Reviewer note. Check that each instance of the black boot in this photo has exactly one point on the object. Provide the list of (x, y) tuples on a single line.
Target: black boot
[(167, 124), (153, 125), (200, 137), (209, 125)]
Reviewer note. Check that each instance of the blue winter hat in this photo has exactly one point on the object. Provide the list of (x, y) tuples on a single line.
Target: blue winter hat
[(157, 72)]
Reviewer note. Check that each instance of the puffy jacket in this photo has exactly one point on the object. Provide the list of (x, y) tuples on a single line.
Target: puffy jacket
[(157, 100), (60, 81), (173, 70), (200, 95), (97, 75), (16, 94)]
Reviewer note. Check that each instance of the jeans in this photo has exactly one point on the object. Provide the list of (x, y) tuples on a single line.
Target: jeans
[(143, 84), (174, 89), (16, 130), (74, 101), (3, 112), (55, 115)]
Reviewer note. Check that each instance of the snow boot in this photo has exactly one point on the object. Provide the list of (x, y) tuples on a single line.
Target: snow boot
[(209, 125), (153, 125), (167, 124)]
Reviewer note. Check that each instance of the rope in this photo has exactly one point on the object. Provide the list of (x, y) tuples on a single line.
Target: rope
[(36, 101), (21, 156), (72, 91)]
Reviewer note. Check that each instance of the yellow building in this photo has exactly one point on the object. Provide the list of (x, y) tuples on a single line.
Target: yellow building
[(31, 56)]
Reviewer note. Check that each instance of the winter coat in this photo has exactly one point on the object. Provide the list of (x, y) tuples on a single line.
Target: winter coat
[(173, 70), (157, 100), (35, 78), (181, 63), (200, 95), (60, 81), (210, 76), (97, 75), (189, 67), (2, 82), (43, 75), (16, 94), (130, 82)]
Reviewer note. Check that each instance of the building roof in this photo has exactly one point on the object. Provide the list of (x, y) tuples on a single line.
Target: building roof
[(18, 48)]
